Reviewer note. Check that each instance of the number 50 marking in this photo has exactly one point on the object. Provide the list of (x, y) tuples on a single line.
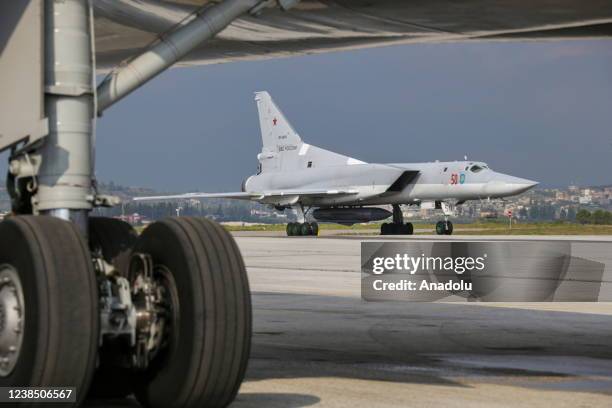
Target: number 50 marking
[(455, 179)]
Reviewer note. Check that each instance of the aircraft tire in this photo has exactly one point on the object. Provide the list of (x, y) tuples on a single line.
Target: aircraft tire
[(306, 229), (440, 228), (49, 292), (408, 228), (113, 239), (292, 229), (385, 228), (314, 227), (401, 229), (210, 332), (448, 228), (295, 229)]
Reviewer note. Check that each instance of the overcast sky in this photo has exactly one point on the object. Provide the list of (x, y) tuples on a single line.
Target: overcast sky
[(542, 111)]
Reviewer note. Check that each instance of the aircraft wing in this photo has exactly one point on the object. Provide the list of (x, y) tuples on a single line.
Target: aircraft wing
[(124, 27), (310, 193), (237, 195), (253, 196)]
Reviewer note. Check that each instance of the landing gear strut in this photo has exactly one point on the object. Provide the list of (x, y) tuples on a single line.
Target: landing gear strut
[(445, 227), (397, 227)]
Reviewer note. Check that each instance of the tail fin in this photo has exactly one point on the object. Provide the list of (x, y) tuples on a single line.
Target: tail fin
[(275, 128), (282, 148), (280, 142)]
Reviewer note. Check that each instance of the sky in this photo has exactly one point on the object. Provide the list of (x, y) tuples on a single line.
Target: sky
[(539, 110)]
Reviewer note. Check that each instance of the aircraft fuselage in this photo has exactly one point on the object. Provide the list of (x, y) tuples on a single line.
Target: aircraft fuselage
[(456, 180)]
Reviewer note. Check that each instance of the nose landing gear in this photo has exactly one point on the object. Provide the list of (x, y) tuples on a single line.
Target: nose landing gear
[(444, 228)]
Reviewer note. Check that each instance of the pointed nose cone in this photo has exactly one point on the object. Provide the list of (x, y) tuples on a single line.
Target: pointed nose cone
[(521, 185), (503, 185)]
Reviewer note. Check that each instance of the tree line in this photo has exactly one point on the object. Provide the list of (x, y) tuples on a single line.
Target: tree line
[(599, 217)]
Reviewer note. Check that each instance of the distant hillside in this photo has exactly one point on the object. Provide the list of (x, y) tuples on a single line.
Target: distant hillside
[(125, 193)]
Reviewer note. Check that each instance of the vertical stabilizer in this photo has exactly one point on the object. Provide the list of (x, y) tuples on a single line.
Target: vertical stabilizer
[(280, 143), (275, 128), (283, 149)]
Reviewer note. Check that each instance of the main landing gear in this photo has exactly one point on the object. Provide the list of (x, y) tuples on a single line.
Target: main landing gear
[(397, 227), (165, 315), (302, 229)]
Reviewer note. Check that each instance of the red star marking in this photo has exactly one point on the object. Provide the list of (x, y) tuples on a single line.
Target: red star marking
[(274, 121)]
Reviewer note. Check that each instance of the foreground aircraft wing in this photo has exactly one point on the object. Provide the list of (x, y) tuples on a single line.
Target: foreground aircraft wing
[(254, 196), (124, 27)]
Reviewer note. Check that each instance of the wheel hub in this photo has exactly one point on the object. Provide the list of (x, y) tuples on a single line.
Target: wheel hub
[(12, 315), (152, 293)]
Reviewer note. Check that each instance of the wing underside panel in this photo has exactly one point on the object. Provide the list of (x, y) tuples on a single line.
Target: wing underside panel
[(124, 27)]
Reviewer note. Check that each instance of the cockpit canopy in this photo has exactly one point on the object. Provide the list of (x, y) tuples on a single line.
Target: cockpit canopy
[(478, 167)]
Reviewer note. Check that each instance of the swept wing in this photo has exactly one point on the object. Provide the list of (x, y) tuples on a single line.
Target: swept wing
[(253, 196)]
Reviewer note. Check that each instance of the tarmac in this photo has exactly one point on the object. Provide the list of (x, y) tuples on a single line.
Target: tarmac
[(316, 343)]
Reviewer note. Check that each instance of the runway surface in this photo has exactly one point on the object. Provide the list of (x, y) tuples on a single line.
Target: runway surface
[(316, 343)]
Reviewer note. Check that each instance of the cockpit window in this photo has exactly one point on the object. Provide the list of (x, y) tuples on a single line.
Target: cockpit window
[(476, 168)]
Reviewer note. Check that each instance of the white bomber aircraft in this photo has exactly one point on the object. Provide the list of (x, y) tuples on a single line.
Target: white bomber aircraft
[(341, 189)]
